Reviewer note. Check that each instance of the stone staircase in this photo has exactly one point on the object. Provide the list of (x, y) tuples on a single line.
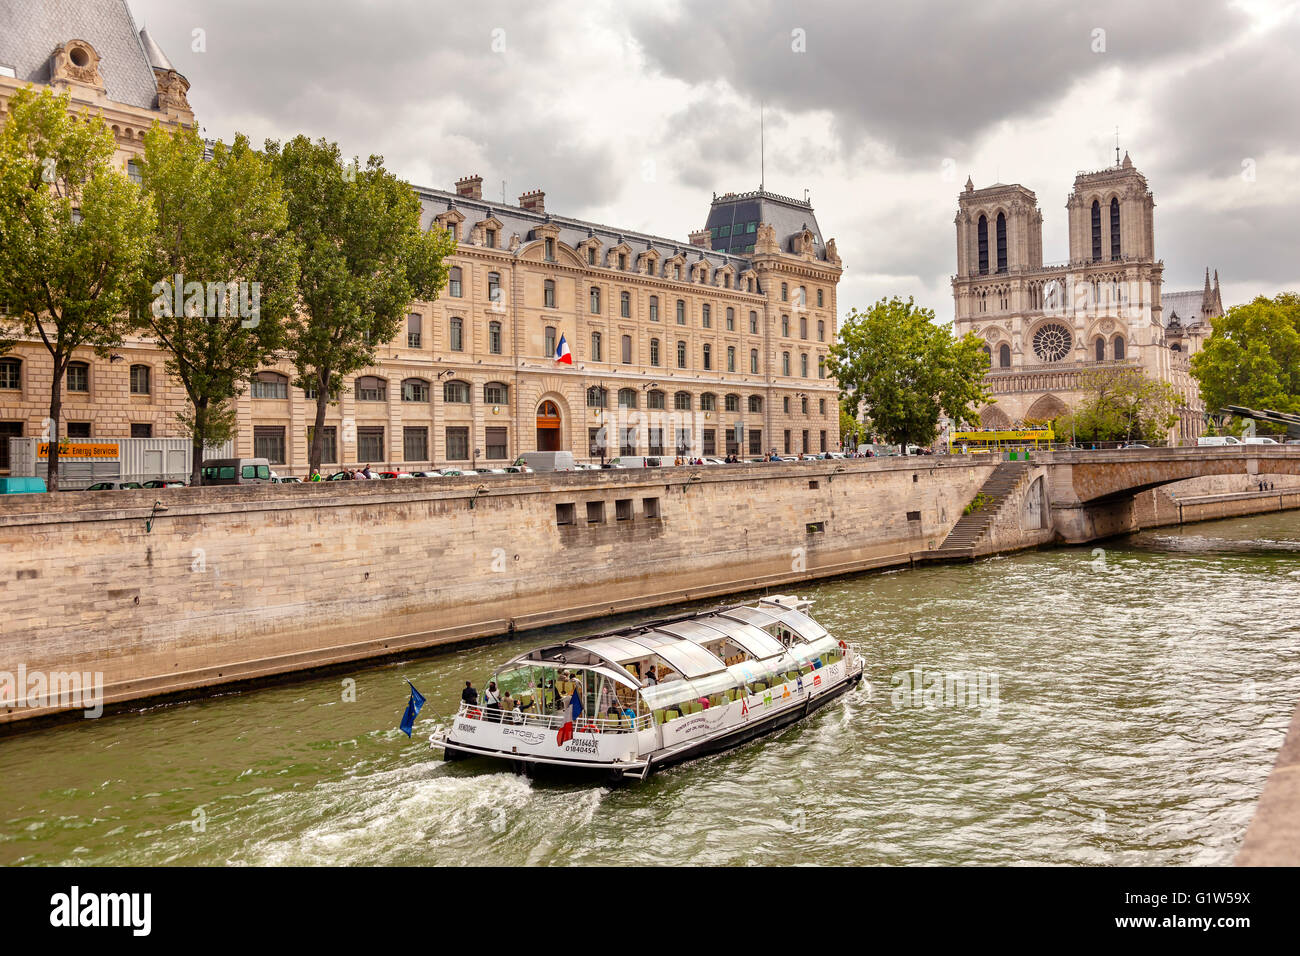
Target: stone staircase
[(971, 528)]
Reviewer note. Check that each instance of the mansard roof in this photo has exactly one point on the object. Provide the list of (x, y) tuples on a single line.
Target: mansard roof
[(32, 31), (788, 218)]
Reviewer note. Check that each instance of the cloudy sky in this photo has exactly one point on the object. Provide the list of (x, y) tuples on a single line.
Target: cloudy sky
[(634, 114)]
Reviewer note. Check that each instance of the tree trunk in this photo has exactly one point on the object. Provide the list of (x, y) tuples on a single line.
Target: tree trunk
[(318, 432), (196, 452), (56, 409)]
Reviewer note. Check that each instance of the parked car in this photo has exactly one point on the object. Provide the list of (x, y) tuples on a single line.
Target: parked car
[(237, 471), (426, 474), (633, 461), (393, 474), (1134, 444), (492, 471), (458, 473), (287, 480), (518, 470), (161, 483), (115, 486)]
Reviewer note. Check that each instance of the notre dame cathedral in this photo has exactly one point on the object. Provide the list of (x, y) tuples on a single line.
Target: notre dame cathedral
[(1046, 326)]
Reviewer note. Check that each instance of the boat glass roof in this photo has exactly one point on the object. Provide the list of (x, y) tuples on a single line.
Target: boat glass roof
[(756, 642)]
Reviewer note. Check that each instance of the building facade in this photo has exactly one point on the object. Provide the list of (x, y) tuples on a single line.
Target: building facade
[(94, 51), (713, 345), (1049, 328)]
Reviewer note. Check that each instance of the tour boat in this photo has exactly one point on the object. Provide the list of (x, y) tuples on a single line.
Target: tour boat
[(633, 700)]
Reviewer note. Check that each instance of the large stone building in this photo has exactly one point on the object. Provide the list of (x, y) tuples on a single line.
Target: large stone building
[(706, 346), (94, 51), (1049, 328)]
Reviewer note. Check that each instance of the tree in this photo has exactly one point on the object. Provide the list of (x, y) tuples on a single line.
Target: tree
[(1252, 357), (364, 259), (72, 236), (905, 370), (222, 272), (850, 427), (1124, 405)]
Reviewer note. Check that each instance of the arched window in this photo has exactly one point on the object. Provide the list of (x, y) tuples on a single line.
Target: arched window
[(1114, 228), (1096, 231), (731, 403), (821, 330), (1004, 355), (785, 326), (706, 316), (264, 384), (681, 354), (655, 399), (803, 364), (548, 294), (455, 392), (682, 401), (654, 308), (627, 350), (708, 402), (596, 397), (1176, 347), (415, 390), (457, 334), (627, 398), (654, 351), (756, 403), (708, 356), (1119, 347), (681, 311), (625, 304), (1100, 348), (595, 300), (803, 327), (595, 347), (496, 393), (371, 388), (982, 233), (141, 383), (1002, 243), (453, 283), (494, 338), (785, 363), (11, 373)]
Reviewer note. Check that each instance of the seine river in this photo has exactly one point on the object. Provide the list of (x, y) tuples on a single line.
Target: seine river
[(1123, 705)]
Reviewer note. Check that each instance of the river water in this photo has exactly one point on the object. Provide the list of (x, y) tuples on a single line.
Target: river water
[(1118, 705)]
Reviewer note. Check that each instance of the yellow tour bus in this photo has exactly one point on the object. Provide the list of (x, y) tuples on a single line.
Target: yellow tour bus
[(983, 441)]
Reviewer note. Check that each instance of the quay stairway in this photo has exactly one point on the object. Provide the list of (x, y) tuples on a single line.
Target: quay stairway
[(970, 529)]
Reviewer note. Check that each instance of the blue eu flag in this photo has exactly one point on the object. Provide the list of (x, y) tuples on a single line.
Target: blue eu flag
[(412, 711)]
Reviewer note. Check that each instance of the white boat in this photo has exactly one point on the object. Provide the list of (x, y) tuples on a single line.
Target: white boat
[(658, 693)]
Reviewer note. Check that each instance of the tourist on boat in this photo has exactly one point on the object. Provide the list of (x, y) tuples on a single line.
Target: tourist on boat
[(517, 713), (469, 695), (492, 701), (650, 678)]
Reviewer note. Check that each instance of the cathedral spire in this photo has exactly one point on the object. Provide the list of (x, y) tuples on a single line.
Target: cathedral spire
[(1207, 296)]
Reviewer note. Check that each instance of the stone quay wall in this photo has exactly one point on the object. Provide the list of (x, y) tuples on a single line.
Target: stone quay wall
[(236, 583)]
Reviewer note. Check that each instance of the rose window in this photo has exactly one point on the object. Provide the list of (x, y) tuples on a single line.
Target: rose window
[(1052, 343)]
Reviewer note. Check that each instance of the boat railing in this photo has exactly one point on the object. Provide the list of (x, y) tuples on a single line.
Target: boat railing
[(604, 725)]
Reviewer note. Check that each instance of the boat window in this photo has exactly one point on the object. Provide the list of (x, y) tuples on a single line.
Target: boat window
[(802, 624), (752, 615), (689, 659), (613, 648), (755, 641)]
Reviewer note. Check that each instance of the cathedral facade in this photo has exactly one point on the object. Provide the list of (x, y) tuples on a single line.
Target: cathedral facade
[(1049, 327)]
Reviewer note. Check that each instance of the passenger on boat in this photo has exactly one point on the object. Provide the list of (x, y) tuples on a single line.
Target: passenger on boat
[(469, 695), (517, 713), (650, 678), (492, 701)]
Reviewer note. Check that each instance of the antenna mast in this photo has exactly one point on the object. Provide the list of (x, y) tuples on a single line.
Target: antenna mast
[(762, 149), (1116, 145)]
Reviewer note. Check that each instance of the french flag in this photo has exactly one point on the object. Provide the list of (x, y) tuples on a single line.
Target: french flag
[(562, 353), (565, 733)]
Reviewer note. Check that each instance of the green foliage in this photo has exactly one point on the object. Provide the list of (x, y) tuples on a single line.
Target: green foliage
[(220, 222), (73, 233), (906, 370), (1125, 405), (1252, 358), (364, 259), (851, 430), (976, 504)]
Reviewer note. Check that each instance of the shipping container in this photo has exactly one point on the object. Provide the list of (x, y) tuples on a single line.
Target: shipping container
[(85, 461)]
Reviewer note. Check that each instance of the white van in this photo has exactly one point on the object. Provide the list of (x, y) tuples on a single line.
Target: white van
[(634, 461), (1205, 440), (548, 460), (1261, 440)]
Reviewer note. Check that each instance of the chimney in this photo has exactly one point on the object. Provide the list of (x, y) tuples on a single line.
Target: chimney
[(701, 237), (471, 187), (534, 201)]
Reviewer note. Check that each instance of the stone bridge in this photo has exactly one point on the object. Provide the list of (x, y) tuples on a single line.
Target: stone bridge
[(1090, 493)]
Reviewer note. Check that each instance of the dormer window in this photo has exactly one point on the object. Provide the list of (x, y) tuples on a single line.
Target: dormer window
[(490, 238), (550, 250), (591, 255)]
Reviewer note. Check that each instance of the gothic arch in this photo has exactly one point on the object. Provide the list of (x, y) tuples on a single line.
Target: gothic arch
[(994, 417), (1046, 408)]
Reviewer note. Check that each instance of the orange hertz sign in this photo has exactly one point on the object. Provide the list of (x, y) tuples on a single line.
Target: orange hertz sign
[(68, 450)]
